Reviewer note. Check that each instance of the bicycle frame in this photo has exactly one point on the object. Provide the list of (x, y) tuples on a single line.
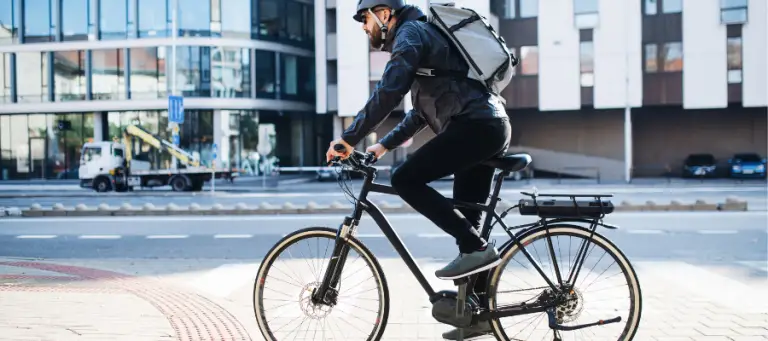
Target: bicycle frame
[(338, 257)]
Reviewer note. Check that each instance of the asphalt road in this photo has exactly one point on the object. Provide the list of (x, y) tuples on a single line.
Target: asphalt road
[(325, 193), (695, 269), (695, 237)]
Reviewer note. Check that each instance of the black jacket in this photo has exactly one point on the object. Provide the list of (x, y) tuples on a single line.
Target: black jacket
[(415, 43)]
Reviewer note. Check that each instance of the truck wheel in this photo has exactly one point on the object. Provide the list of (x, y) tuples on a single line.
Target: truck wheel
[(101, 185), (179, 184)]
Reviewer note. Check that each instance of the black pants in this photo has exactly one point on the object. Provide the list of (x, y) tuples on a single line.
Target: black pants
[(458, 150)]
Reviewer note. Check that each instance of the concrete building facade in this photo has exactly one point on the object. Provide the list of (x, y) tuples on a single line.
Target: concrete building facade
[(605, 88)]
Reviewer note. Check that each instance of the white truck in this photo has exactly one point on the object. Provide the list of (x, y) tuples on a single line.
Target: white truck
[(108, 165)]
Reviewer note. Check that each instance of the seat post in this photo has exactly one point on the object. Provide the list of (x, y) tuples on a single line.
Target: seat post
[(499, 180)]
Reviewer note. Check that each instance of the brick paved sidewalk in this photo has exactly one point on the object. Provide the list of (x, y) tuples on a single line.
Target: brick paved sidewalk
[(186, 300)]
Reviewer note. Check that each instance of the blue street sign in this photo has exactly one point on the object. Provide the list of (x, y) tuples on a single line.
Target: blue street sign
[(215, 151), (176, 109), (175, 140)]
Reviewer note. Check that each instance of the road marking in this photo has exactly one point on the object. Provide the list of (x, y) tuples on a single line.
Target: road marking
[(717, 231), (756, 265), (232, 236), (338, 218), (36, 236), (168, 236), (371, 235), (433, 235), (99, 237), (645, 231)]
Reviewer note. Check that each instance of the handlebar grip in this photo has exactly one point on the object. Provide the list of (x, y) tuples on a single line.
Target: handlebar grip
[(339, 148)]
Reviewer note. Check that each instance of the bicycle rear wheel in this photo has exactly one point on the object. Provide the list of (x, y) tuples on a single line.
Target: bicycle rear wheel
[(364, 291), (589, 299)]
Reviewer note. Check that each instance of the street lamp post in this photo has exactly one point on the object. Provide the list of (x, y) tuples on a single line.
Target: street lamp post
[(627, 105), (174, 34)]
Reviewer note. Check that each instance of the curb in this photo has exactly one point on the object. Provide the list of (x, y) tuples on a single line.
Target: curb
[(265, 208)]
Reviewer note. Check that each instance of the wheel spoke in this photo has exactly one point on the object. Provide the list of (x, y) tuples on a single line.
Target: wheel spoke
[(296, 316), (587, 303)]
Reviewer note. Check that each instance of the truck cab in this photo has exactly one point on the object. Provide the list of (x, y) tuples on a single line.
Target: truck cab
[(100, 162)]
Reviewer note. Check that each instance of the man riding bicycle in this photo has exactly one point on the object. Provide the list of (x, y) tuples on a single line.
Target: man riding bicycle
[(470, 123)]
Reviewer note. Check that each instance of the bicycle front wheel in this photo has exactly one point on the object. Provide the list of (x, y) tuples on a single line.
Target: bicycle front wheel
[(290, 273), (605, 286)]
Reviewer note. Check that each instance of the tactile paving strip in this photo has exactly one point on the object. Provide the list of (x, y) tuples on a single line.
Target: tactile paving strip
[(192, 316)]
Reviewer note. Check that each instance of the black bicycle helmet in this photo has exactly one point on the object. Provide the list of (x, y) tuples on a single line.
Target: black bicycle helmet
[(364, 5)]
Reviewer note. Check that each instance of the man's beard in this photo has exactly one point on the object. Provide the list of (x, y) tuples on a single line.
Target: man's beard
[(375, 38)]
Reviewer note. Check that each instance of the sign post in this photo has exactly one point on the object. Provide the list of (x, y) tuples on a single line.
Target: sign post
[(175, 118), (213, 169)]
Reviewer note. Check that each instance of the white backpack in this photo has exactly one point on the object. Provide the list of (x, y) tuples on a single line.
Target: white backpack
[(486, 53)]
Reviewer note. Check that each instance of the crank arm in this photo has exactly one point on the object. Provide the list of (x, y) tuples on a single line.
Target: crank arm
[(553, 323)]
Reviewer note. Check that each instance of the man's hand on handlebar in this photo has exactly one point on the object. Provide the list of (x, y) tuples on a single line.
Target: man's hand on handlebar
[(338, 148)]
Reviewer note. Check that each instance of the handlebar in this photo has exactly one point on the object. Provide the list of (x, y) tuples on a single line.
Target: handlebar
[(356, 159)]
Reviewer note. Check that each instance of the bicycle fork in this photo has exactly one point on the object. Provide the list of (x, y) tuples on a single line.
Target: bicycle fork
[(322, 295)]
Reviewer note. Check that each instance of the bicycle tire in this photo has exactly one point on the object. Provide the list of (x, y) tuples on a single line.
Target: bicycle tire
[(554, 229), (322, 232)]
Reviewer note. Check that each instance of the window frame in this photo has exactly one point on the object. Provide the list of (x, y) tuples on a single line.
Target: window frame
[(735, 75), (663, 56), (588, 19), (726, 8)]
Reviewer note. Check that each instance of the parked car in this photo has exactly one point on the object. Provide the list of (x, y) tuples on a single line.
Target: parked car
[(747, 165), (699, 165)]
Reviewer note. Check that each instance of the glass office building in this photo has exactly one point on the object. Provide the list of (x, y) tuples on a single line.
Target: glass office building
[(73, 71)]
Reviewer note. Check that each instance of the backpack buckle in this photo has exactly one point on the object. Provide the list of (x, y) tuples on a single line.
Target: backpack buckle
[(425, 72)]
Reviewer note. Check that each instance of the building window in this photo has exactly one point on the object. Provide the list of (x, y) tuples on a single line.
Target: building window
[(514, 9), (270, 23), (69, 76), (307, 79), (32, 83), (673, 57), (9, 18), (290, 77), (5, 78), (671, 6), (113, 19), (193, 71), (74, 19), (236, 18), (650, 7), (108, 74), (38, 21), (529, 8), (153, 19), (529, 60), (651, 58), (585, 12), (586, 55), (148, 80), (231, 72), (266, 82), (194, 18), (733, 11), (293, 20), (734, 60), (330, 20), (332, 72)]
